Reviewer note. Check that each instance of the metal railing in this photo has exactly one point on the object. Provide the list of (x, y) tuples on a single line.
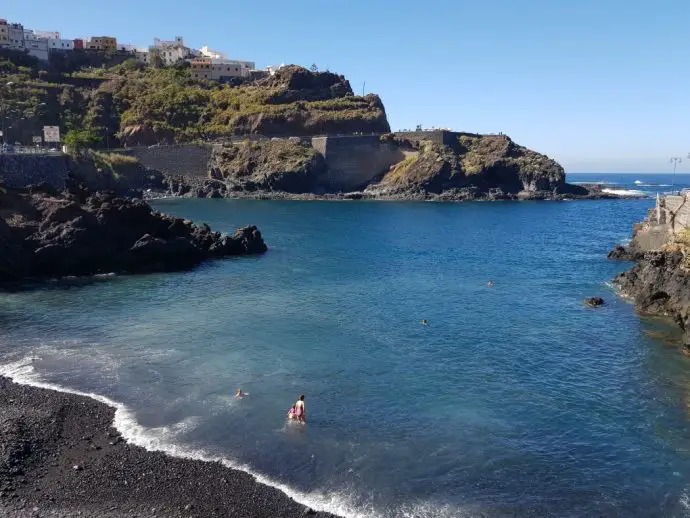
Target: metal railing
[(28, 150)]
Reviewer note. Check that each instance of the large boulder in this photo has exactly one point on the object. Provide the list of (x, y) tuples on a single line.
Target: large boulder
[(46, 236)]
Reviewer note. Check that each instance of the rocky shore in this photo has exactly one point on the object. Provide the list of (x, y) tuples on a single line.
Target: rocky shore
[(60, 457), (44, 233), (659, 282)]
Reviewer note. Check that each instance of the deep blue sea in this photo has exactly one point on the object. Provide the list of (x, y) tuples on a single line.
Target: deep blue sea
[(514, 400)]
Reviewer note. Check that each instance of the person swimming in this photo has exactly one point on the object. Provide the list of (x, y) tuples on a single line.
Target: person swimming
[(298, 412), (239, 394), (490, 284), (425, 322), (291, 415)]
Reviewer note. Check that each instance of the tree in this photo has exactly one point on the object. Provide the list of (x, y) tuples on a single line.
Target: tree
[(314, 68), (418, 128), (79, 139)]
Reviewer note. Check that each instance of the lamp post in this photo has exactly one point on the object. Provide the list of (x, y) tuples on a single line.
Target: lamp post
[(675, 161)]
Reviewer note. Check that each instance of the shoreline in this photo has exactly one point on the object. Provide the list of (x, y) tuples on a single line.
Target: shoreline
[(61, 454), (359, 196)]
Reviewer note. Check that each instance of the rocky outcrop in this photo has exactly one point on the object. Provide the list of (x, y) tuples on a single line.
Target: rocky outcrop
[(46, 234), (474, 167), (659, 284), (594, 302), (625, 253), (284, 165)]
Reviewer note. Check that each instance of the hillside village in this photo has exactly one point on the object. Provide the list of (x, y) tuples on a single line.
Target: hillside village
[(205, 63)]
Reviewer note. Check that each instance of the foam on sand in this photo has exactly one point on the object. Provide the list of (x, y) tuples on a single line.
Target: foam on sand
[(162, 439)]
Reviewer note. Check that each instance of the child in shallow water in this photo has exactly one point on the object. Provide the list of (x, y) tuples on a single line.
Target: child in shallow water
[(292, 413)]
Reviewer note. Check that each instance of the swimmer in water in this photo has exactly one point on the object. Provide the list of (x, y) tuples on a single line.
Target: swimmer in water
[(239, 394), (425, 322), (490, 284), (300, 412)]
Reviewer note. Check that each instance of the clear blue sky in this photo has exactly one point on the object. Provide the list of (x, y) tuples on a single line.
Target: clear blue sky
[(600, 85)]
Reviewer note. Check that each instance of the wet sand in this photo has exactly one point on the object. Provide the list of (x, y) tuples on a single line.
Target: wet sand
[(60, 457)]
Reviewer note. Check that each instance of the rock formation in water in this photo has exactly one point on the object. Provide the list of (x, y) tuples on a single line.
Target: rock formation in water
[(47, 234), (659, 283), (594, 302), (467, 168), (472, 167)]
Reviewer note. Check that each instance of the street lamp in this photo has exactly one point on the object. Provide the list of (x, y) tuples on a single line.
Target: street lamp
[(675, 161)]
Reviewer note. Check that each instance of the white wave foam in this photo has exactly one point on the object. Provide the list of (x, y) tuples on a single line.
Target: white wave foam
[(624, 192), (161, 439)]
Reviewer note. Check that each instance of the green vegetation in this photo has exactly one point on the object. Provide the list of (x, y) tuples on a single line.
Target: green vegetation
[(104, 106), (400, 171), (77, 139)]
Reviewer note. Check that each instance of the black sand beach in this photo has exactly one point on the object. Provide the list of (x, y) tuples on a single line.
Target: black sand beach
[(60, 457)]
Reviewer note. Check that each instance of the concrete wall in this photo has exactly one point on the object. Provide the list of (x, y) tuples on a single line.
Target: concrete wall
[(675, 210), (187, 160), (439, 137), (670, 216), (354, 161), (22, 170)]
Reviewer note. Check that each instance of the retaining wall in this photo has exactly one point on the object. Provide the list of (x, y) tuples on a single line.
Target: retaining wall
[(186, 160), (21, 170), (354, 161)]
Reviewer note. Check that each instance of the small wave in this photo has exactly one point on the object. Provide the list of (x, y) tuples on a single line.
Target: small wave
[(593, 182), (162, 439), (624, 192)]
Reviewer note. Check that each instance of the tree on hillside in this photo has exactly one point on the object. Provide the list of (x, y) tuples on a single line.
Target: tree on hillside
[(78, 139), (314, 68)]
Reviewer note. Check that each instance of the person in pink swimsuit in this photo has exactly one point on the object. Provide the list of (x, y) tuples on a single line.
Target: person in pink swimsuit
[(297, 412)]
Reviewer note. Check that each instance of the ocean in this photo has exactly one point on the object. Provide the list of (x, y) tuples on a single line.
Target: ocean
[(513, 400)]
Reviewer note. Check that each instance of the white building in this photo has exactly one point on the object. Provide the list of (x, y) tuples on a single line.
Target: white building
[(171, 51), (16, 36), (272, 69), (213, 54), (36, 46), (126, 47), (49, 35), (59, 44), (177, 42), (220, 69), (142, 56)]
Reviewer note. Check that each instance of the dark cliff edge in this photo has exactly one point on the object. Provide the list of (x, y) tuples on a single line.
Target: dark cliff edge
[(47, 234), (659, 282), (479, 167)]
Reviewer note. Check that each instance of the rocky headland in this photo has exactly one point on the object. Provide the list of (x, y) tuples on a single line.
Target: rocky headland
[(477, 167), (44, 233), (659, 282)]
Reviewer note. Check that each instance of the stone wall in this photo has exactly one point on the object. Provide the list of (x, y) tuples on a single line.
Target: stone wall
[(22, 170), (182, 160), (354, 161), (439, 137), (675, 212), (670, 216)]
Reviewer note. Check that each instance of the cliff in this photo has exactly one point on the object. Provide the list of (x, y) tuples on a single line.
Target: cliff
[(134, 105), (481, 166), (285, 166)]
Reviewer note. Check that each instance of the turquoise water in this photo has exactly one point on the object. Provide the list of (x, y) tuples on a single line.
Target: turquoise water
[(514, 399)]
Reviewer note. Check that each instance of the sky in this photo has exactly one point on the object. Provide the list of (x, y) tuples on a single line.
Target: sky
[(599, 85)]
